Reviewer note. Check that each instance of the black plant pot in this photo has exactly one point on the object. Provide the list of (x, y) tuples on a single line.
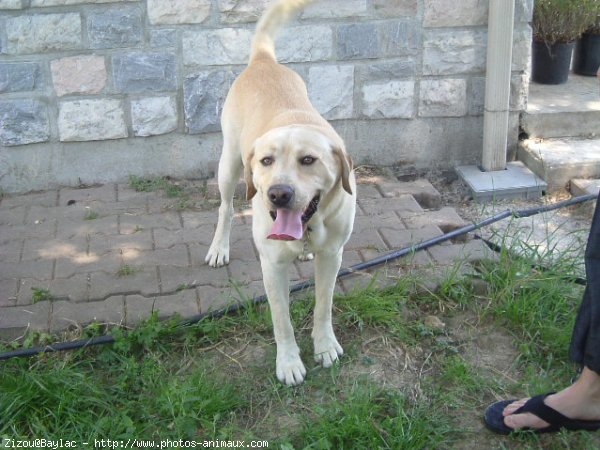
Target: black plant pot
[(550, 63), (587, 55)]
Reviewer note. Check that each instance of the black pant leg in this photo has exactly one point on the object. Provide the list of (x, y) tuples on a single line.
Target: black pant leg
[(585, 343)]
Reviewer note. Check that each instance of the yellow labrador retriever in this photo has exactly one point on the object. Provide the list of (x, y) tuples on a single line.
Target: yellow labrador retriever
[(301, 183)]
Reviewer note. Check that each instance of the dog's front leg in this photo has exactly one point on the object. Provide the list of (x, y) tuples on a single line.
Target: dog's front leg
[(289, 366), (327, 348)]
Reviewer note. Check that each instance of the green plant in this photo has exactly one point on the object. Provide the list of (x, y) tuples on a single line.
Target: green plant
[(561, 21), (90, 215), (126, 270), (40, 294)]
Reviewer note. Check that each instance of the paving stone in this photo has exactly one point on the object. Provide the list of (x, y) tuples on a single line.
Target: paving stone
[(143, 280), (74, 289), (184, 303), (447, 219), (101, 244), (68, 315), (173, 279), (176, 256), (402, 238), (422, 190), (68, 228), (13, 216), (74, 248), (33, 269), (67, 267), (367, 191), (168, 238), (45, 198), (104, 193), (366, 238), (471, 251), (131, 223), (8, 292), (15, 321), (44, 228), (214, 298), (244, 272), (403, 204)]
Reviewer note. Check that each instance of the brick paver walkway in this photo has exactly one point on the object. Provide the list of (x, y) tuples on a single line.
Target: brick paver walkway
[(113, 255)]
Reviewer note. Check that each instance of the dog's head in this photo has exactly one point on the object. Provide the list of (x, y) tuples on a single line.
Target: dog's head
[(291, 169)]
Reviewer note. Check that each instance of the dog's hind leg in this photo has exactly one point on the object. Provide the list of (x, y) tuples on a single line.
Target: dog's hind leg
[(230, 169), (327, 348)]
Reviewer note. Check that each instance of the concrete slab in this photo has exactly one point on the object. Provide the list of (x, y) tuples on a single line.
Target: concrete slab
[(571, 109), (580, 187), (559, 160), (516, 181)]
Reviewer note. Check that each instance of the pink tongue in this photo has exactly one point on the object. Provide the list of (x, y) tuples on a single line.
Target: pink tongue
[(287, 225)]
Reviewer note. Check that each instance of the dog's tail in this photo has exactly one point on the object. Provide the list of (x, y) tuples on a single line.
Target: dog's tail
[(269, 24)]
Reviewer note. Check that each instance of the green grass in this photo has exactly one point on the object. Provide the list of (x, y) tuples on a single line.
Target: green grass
[(401, 384)]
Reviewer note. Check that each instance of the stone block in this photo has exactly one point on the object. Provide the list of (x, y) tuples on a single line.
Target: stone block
[(8, 292), (391, 99), (40, 33), (41, 270), (91, 120), (44, 3), (521, 55), (203, 97), (11, 4), (335, 8), (178, 11), (376, 71), (145, 72), (143, 280), (476, 97), (163, 38), (16, 320), (85, 74), (23, 122), (116, 27), (396, 8), (404, 238), (421, 189), (305, 43), (153, 115), (216, 47), (447, 219), (449, 13), (399, 38), (443, 98), (74, 289), (240, 11), (331, 90), (454, 52), (357, 41), (19, 77), (102, 244), (67, 315)]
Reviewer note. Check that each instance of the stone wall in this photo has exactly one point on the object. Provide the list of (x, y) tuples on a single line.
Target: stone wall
[(97, 90)]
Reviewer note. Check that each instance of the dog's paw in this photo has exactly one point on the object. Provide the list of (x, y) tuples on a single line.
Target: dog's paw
[(306, 256), (327, 350), (217, 256), (290, 369)]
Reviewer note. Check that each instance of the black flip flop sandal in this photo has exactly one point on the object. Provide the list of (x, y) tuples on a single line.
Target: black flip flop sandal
[(494, 419)]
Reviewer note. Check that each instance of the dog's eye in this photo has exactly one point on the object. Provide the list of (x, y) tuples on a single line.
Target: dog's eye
[(307, 160), (266, 161)]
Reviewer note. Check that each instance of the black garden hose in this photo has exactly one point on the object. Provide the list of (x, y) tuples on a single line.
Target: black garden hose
[(382, 259)]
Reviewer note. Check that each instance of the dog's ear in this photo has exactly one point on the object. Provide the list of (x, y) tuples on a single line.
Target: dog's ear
[(250, 189), (347, 166)]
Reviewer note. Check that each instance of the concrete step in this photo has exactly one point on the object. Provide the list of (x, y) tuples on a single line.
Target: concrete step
[(580, 186), (566, 110), (559, 160)]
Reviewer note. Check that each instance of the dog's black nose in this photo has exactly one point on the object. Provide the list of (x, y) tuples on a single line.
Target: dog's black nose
[(281, 195)]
